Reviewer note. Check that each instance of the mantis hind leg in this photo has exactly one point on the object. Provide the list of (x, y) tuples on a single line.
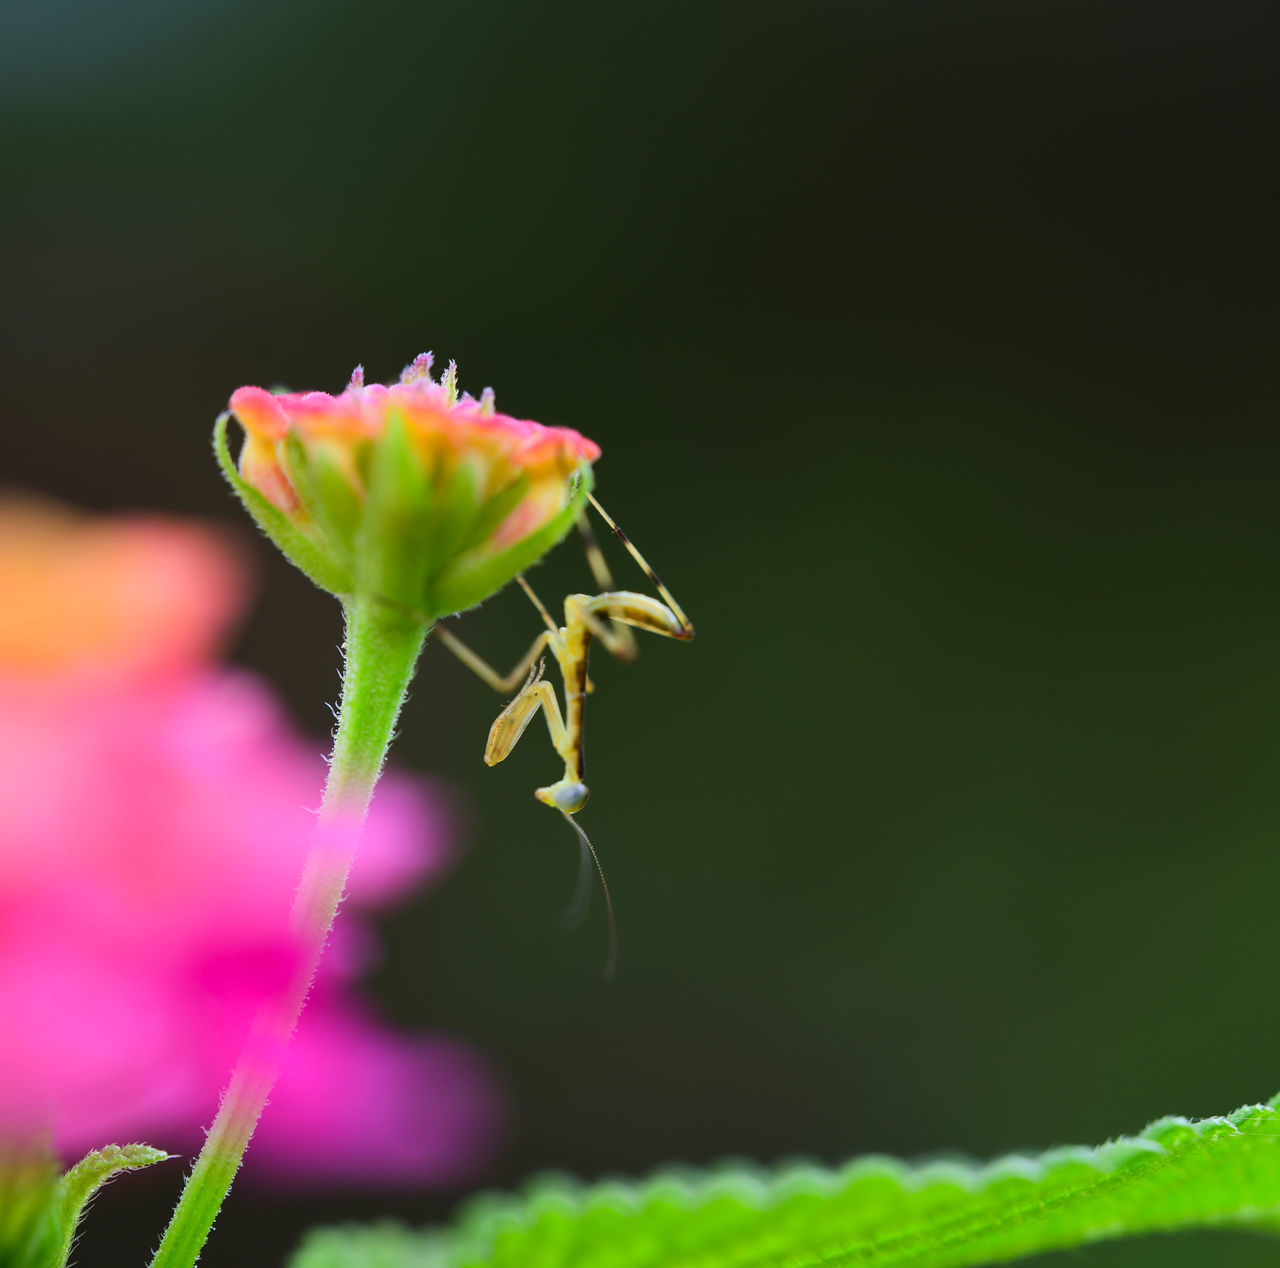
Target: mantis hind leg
[(667, 597), (624, 642), (504, 683), (607, 616)]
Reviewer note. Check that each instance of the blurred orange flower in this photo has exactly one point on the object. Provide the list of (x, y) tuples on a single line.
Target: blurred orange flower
[(130, 595)]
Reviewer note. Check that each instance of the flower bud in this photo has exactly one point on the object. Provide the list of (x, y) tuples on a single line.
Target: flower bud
[(409, 493)]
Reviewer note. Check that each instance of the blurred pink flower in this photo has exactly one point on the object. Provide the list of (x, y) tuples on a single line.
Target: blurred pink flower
[(154, 827)]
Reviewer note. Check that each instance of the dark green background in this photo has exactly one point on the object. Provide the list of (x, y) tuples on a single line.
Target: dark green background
[(932, 351)]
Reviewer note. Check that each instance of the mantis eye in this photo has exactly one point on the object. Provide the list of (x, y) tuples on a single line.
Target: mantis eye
[(570, 798)]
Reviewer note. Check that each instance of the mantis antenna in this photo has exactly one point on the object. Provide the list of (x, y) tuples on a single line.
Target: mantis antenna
[(611, 964)]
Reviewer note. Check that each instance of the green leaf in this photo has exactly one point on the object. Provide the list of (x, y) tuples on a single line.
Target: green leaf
[(28, 1195), (1178, 1174), (86, 1178), (375, 1246), (39, 1210)]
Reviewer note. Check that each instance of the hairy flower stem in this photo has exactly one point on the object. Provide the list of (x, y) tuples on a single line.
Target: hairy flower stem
[(382, 647)]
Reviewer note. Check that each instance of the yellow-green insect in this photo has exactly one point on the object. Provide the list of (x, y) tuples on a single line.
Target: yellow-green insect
[(605, 618)]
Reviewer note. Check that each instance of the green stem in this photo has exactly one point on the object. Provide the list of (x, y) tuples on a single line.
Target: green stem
[(382, 647)]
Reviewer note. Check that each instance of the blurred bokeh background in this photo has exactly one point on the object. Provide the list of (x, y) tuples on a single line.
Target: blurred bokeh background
[(932, 351)]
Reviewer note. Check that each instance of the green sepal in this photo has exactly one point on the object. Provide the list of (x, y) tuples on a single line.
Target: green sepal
[(326, 495), (305, 553), (473, 577), (390, 555), (456, 506), (494, 511)]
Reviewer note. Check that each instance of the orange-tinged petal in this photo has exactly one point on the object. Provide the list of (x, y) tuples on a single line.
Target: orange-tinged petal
[(260, 413), (260, 466), (110, 596)]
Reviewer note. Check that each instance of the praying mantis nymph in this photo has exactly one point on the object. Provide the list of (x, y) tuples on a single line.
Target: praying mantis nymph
[(605, 618)]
